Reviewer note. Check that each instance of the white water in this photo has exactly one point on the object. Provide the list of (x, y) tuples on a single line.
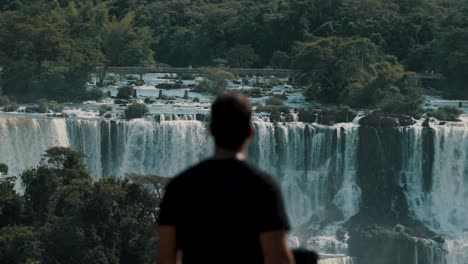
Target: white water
[(444, 208), (338, 260), (315, 165)]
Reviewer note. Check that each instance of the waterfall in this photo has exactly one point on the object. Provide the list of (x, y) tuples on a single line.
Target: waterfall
[(316, 168), (315, 165), (338, 260), (437, 191), (24, 140)]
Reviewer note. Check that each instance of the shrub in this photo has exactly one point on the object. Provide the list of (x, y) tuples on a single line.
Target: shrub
[(196, 100), (94, 94), (12, 107), (272, 109), (168, 86), (137, 82), (185, 76), (131, 78), (274, 82), (344, 108), (148, 100), (136, 110), (3, 169), (125, 92), (446, 113), (274, 101), (167, 97), (255, 92), (43, 105), (104, 109), (4, 101), (214, 82), (55, 106)]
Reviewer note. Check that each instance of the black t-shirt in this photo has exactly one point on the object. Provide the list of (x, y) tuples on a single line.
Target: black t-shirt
[(219, 208)]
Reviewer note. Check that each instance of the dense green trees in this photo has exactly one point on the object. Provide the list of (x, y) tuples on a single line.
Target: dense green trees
[(353, 71), (49, 48), (65, 217), (214, 82), (136, 110)]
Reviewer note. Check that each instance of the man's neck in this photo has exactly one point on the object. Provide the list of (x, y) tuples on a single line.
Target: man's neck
[(222, 153)]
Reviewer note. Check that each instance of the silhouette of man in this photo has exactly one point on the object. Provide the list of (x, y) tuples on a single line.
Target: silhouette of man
[(224, 210)]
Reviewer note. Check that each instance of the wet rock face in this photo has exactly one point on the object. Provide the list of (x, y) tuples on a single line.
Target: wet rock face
[(374, 244), (383, 231), (326, 116), (378, 119)]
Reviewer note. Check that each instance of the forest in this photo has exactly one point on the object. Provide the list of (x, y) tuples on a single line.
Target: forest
[(354, 52), (63, 216)]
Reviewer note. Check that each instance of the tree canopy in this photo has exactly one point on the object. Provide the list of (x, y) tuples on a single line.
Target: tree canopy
[(49, 48), (64, 216)]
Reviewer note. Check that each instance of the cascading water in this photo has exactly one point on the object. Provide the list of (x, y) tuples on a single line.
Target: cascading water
[(436, 184), (315, 165)]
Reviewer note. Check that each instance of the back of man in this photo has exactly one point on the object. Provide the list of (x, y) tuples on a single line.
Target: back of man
[(224, 210)]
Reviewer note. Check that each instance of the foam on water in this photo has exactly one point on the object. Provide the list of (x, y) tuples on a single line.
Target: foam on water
[(442, 208), (315, 165)]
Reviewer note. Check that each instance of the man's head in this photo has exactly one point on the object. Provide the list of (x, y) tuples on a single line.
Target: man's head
[(231, 115)]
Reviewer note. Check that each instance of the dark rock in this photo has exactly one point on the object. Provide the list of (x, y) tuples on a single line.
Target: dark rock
[(378, 119), (120, 102), (32, 109), (275, 117), (326, 116), (382, 245), (332, 213), (308, 115), (427, 123)]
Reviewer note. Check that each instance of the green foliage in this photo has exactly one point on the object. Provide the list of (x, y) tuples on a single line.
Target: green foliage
[(280, 60), (354, 72), (11, 204), (104, 109), (272, 109), (44, 105), (55, 106), (3, 169), (42, 59), (49, 48), (12, 107), (214, 82), (186, 77), (19, 244), (166, 97), (4, 101), (254, 92), (63, 217), (94, 94), (125, 92), (446, 113), (136, 110), (274, 101), (241, 56)]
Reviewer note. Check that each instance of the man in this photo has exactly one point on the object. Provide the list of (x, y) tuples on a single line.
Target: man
[(223, 210)]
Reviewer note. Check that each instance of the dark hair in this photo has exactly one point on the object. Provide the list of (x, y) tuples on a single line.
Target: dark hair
[(231, 115)]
